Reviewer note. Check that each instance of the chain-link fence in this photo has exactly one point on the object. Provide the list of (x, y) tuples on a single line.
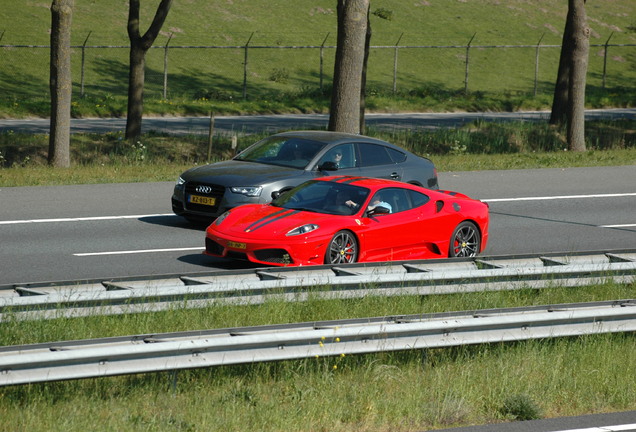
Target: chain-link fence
[(249, 71)]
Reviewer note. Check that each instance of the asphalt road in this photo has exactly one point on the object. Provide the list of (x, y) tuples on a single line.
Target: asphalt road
[(115, 230), (275, 123), (52, 233), (612, 422)]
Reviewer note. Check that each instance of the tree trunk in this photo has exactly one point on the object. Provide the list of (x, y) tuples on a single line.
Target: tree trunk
[(60, 83), (345, 98), (578, 72), (558, 115), (136, 79), (139, 45), (363, 84)]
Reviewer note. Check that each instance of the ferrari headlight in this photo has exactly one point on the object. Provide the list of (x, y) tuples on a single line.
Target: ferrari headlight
[(250, 191), (304, 229), (221, 218)]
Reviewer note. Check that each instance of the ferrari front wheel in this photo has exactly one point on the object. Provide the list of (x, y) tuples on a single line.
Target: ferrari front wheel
[(342, 249), (466, 240)]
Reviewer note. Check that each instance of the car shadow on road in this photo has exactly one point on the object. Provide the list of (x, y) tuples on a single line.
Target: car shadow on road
[(217, 263)]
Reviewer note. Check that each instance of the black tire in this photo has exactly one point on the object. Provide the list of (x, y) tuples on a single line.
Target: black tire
[(342, 249), (465, 241)]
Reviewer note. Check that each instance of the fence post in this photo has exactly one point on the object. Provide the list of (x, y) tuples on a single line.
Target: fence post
[(605, 58), (210, 136), (234, 144), (165, 68), (82, 68), (467, 62), (395, 63), (245, 67), (322, 49), (536, 64)]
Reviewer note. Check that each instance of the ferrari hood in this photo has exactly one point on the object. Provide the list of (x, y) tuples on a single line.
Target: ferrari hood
[(241, 173), (266, 221)]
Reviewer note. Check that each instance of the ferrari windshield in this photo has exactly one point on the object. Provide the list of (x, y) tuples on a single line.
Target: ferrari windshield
[(284, 151), (324, 197)]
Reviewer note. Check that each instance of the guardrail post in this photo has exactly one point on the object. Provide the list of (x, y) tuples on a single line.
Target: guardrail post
[(467, 62), (395, 63), (536, 64), (165, 68), (605, 58), (245, 67), (82, 68), (322, 49)]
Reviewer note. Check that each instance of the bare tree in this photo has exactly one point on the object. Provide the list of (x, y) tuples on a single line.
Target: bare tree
[(578, 72), (363, 83), (384, 14), (345, 98), (560, 99), (139, 45), (569, 96), (60, 83)]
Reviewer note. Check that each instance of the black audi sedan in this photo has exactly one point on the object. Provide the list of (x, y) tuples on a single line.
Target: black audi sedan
[(280, 162)]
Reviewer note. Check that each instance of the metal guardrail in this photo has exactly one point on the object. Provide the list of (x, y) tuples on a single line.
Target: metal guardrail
[(425, 277), (164, 352)]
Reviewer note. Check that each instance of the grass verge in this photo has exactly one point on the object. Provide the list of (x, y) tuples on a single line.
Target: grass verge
[(105, 158), (405, 391)]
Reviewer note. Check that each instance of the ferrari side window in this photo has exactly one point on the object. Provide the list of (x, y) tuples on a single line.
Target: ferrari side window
[(401, 200), (395, 200), (417, 198)]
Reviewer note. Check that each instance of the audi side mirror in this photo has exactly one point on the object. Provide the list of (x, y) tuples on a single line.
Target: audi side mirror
[(328, 166)]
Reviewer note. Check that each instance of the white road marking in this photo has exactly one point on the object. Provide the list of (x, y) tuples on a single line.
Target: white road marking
[(492, 200), (103, 218), (616, 428), (560, 197), (129, 252), (82, 219)]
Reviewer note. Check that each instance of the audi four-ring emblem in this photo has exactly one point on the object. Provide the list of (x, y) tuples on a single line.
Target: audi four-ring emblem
[(204, 189)]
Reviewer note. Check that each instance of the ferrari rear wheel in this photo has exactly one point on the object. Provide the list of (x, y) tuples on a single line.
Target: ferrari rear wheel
[(343, 249), (466, 241)]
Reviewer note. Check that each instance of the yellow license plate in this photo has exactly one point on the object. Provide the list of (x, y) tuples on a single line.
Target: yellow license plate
[(196, 199), (236, 245)]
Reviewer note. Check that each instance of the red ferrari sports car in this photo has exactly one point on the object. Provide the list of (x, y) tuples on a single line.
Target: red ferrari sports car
[(345, 219)]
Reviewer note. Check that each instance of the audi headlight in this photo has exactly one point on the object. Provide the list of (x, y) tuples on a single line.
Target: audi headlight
[(250, 191), (180, 182), (304, 229)]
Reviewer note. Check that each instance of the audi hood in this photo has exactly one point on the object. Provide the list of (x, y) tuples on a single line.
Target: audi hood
[(240, 173)]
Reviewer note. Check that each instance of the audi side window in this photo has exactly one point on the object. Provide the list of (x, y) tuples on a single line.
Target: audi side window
[(396, 155), (373, 154), (342, 155)]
